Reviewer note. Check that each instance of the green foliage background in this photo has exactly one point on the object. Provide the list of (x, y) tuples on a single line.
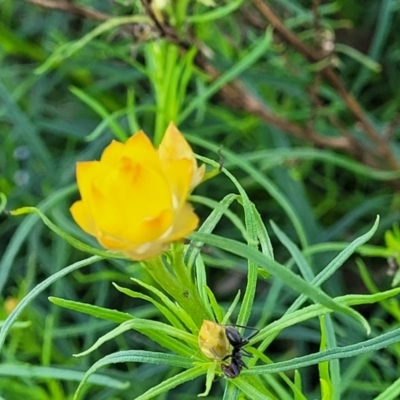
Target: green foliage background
[(69, 84)]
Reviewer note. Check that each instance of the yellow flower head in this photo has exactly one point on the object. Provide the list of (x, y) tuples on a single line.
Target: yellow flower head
[(213, 341), (134, 198)]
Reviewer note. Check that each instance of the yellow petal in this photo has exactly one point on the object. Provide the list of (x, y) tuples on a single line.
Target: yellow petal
[(197, 176), (133, 199), (145, 191), (112, 153), (113, 243), (109, 219), (139, 149), (174, 146), (186, 221), (132, 202), (86, 173), (83, 218), (213, 341), (149, 229), (134, 251), (179, 175), (147, 251)]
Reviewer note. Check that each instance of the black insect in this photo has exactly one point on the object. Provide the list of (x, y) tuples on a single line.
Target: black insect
[(237, 342)]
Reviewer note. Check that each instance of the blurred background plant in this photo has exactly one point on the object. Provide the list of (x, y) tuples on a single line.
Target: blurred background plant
[(298, 99)]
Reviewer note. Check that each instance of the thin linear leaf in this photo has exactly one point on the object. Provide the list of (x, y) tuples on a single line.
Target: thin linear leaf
[(280, 271), (258, 51), (70, 239), (68, 49), (316, 310), (163, 310), (262, 234), (250, 390), (39, 289), (95, 311), (336, 263), (201, 282), (38, 372), (259, 177), (377, 343), (215, 205), (97, 107), (23, 231), (391, 393), (193, 250), (172, 382), (252, 241), (161, 333), (231, 391), (140, 356), (275, 157), (220, 12), (215, 307), (175, 307), (299, 259)]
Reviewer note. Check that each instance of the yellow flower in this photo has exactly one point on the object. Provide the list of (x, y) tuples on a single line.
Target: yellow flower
[(213, 341), (134, 198)]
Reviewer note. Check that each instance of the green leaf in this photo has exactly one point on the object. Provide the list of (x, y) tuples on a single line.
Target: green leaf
[(3, 202), (279, 271), (60, 374), (375, 344), (391, 393), (95, 311), (23, 231), (221, 208), (298, 258), (163, 310), (193, 250), (97, 107), (209, 380), (215, 307), (68, 49), (70, 239), (250, 390), (231, 308), (262, 180), (162, 333), (246, 61), (252, 227), (316, 310), (231, 391), (39, 289), (336, 263), (279, 156), (135, 356), (168, 384), (220, 12)]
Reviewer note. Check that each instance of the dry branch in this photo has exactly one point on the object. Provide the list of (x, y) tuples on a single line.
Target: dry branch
[(235, 95)]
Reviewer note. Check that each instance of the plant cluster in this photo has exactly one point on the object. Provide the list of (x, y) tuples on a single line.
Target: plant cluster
[(251, 252)]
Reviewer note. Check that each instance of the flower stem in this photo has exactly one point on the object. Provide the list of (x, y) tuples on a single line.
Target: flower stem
[(185, 294)]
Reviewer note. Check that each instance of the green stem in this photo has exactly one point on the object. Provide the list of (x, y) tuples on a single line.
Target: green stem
[(181, 270), (186, 295)]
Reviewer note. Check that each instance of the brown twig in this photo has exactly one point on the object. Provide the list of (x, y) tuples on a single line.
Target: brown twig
[(237, 96), (329, 74), (392, 127), (164, 28), (71, 8)]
